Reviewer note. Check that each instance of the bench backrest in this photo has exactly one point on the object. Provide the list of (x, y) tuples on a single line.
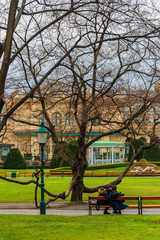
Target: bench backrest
[(150, 197), (119, 198)]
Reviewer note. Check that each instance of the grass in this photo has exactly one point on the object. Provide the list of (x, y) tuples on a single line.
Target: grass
[(48, 227), (137, 186), (15, 227)]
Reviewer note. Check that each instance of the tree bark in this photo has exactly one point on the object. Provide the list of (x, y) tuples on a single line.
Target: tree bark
[(7, 50), (78, 186)]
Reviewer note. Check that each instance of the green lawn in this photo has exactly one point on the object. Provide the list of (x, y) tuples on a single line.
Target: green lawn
[(11, 192), (15, 227)]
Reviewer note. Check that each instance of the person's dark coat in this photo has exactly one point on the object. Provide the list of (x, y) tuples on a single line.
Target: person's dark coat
[(103, 202), (117, 204)]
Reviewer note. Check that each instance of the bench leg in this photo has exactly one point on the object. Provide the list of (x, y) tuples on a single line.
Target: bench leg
[(90, 211), (140, 205)]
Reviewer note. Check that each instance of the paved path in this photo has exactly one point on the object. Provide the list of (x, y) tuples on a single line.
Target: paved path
[(77, 212), (65, 209)]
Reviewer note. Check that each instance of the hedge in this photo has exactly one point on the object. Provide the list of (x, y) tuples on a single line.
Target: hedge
[(38, 166), (93, 167), (113, 165)]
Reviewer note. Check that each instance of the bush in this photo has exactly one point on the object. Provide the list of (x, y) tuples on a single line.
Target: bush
[(71, 151), (152, 154), (94, 167), (136, 144), (56, 158), (15, 160), (28, 155), (38, 167), (156, 163), (113, 165)]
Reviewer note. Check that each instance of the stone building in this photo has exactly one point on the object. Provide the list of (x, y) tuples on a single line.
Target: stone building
[(21, 130)]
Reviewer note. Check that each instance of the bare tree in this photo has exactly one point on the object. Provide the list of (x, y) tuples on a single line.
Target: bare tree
[(23, 27)]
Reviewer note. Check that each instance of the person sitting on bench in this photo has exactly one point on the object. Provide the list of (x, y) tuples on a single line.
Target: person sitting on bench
[(105, 193), (116, 204)]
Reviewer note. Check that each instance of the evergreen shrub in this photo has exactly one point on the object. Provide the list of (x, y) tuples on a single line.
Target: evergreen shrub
[(71, 151), (152, 154), (15, 160), (136, 144), (56, 158)]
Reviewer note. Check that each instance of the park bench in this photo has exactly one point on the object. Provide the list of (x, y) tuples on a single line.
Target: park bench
[(144, 198), (3, 174), (92, 200)]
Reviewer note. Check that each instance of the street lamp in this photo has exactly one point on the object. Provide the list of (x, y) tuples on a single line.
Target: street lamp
[(42, 139), (34, 159)]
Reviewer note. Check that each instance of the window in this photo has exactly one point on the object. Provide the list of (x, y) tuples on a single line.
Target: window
[(41, 117), (96, 122), (69, 119), (56, 119), (69, 140)]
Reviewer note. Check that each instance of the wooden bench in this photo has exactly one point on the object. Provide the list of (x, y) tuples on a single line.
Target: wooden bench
[(144, 198), (95, 198), (3, 174)]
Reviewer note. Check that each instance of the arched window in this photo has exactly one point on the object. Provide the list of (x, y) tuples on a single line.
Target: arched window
[(69, 119), (56, 119)]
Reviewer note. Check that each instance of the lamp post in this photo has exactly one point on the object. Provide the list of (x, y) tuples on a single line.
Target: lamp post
[(42, 139), (34, 159)]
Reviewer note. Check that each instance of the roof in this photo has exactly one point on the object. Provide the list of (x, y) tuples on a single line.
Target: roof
[(105, 143)]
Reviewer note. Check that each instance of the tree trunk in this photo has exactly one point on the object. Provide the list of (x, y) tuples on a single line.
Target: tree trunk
[(78, 186)]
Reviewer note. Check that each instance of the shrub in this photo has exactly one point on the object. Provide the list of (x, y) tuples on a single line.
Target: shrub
[(71, 151), (38, 167), (152, 154), (94, 167), (15, 160), (136, 144), (28, 155), (113, 165), (56, 158)]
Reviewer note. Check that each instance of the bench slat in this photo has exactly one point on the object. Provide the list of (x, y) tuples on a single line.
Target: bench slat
[(119, 198), (150, 197), (151, 206)]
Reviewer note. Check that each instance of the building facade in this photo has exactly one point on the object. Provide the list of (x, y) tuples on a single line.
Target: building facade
[(21, 131)]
